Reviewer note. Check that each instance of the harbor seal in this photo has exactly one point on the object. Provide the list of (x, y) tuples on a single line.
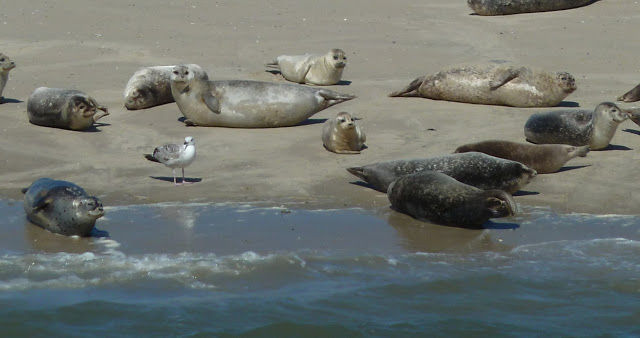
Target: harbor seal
[(505, 7), (151, 86), (543, 158), (476, 169), (495, 83), (247, 104), (63, 108), (435, 197), (342, 135), (316, 69), (6, 65), (576, 127), (61, 207), (175, 156), (631, 96)]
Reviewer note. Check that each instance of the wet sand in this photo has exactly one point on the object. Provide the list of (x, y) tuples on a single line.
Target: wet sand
[(96, 46)]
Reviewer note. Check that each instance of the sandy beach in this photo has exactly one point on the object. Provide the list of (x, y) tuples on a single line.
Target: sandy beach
[(95, 47)]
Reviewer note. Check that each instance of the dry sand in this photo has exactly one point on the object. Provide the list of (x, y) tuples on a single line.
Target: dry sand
[(95, 46)]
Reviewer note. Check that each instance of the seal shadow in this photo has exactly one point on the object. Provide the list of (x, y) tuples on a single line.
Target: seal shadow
[(486, 225), (94, 127), (311, 122), (525, 193), (6, 100), (568, 104), (365, 185), (273, 71), (178, 179), (616, 147), (343, 83), (572, 167), (632, 131), (491, 225)]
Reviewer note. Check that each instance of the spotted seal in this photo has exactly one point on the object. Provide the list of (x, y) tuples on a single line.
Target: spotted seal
[(342, 135), (316, 69), (6, 65), (631, 96), (505, 7), (63, 108)]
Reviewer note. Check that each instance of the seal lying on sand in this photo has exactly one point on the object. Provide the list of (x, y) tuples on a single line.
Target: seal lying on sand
[(576, 127), (631, 96), (61, 207), (63, 108), (151, 86), (543, 158), (247, 104), (6, 65), (476, 169), (342, 135), (435, 197), (316, 69), (504, 7), (496, 82)]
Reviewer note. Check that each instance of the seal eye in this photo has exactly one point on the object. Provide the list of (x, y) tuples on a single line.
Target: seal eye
[(186, 73), (344, 58), (2, 60), (335, 57), (175, 72)]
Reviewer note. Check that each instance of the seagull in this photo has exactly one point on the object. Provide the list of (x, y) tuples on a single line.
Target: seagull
[(175, 156)]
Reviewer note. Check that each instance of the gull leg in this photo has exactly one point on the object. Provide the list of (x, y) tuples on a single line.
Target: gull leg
[(183, 181), (174, 178)]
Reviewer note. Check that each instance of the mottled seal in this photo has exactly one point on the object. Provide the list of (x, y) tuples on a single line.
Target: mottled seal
[(316, 69), (151, 86), (477, 169), (631, 96), (63, 108), (576, 127), (505, 7), (435, 197), (61, 207), (342, 135), (247, 104), (496, 83), (175, 156), (634, 115), (543, 158), (6, 65)]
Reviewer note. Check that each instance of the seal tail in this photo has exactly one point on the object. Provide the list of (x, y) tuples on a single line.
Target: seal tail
[(582, 151), (411, 90), (151, 158), (332, 98), (501, 203), (358, 172), (272, 64)]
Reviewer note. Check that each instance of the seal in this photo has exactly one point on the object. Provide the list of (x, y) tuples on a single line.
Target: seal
[(576, 127), (505, 7), (543, 158), (61, 207), (432, 196), (495, 83), (631, 96), (63, 108), (175, 156), (476, 169), (6, 65), (247, 104), (151, 86), (316, 69), (342, 135), (635, 115)]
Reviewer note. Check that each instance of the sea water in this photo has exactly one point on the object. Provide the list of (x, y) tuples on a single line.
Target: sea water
[(288, 271)]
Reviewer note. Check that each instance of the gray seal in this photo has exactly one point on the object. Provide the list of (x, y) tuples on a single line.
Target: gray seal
[(247, 104), (435, 197), (631, 96), (476, 169), (63, 108), (505, 7), (494, 83), (61, 207), (576, 127), (151, 86), (543, 158), (342, 135), (6, 65), (316, 69)]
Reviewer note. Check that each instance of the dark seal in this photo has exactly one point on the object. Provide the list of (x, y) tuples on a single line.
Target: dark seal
[(505, 7), (63, 108)]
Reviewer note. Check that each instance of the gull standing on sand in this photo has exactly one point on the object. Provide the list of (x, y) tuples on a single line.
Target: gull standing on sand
[(175, 156)]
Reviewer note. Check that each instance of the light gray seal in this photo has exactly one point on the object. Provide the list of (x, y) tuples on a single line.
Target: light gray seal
[(435, 197), (477, 169), (61, 207), (576, 127), (63, 108), (151, 86), (6, 65), (316, 69), (543, 158), (247, 104), (495, 83), (631, 96), (505, 7), (342, 135)]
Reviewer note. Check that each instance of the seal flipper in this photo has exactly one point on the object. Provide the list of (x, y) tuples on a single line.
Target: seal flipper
[(411, 90), (211, 101), (273, 64), (332, 98), (358, 172), (41, 203), (304, 75), (503, 76)]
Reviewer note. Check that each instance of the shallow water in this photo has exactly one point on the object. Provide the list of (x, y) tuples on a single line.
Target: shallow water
[(251, 270)]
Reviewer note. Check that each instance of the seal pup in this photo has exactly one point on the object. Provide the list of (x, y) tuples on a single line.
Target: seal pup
[(63, 108), (175, 156), (435, 197), (476, 169), (505, 7), (543, 158), (576, 127), (61, 207), (316, 69), (631, 96), (342, 135), (151, 86), (495, 83), (247, 104), (6, 65)]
